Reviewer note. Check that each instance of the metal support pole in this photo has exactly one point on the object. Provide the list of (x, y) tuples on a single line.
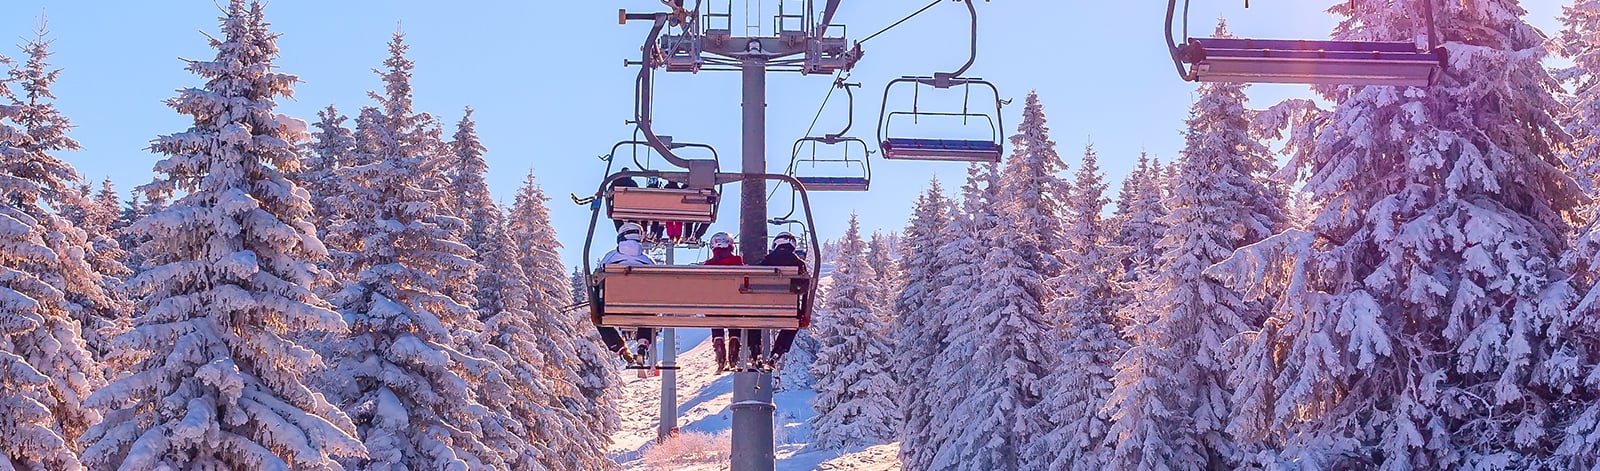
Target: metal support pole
[(752, 391), (669, 376)]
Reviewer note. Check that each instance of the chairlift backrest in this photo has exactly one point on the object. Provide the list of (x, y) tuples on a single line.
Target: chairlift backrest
[(1310, 62), (1304, 61), (702, 296), (662, 204)]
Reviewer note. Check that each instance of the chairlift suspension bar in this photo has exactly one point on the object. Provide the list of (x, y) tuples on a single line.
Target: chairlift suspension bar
[(973, 57), (646, 72)]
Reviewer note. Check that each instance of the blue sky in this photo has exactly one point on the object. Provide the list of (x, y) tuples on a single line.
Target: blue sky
[(550, 93)]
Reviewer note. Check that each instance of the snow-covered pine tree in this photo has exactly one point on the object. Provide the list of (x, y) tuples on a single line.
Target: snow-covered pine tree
[(579, 284), (467, 185), (997, 352), (1579, 42), (587, 378), (52, 261), (412, 390), (796, 367), (136, 210), (887, 278), (106, 308), (1035, 190), (1425, 324), (504, 299), (329, 149), (107, 259), (854, 403), (225, 291), (918, 333), (1579, 329), (1221, 199), (37, 425), (1138, 225), (1087, 326)]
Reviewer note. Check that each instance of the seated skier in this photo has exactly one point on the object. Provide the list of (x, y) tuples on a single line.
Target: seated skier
[(628, 252)]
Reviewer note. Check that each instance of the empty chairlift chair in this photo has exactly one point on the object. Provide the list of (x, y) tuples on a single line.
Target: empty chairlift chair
[(833, 162), (1309, 62), (827, 172), (1304, 61), (897, 146)]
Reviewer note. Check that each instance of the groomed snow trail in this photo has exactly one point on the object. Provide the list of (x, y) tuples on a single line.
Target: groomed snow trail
[(703, 407)]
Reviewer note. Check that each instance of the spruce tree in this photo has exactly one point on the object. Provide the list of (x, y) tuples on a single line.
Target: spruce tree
[(587, 377), (1221, 200), (579, 284), (854, 402), (1580, 42), (1138, 215), (997, 348), (412, 389), (887, 278), (38, 426), (1034, 189), (1426, 321), (225, 292), (918, 334), (330, 148), (1087, 326)]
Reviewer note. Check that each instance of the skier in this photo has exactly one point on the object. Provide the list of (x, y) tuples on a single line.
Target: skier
[(722, 254), (627, 182), (628, 252), (675, 234), (658, 231), (782, 255)]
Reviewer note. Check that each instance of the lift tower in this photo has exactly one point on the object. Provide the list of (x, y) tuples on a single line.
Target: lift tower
[(683, 40)]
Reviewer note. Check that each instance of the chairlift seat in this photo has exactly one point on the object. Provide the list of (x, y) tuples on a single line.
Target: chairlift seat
[(1310, 62), (700, 296), (662, 204), (834, 183), (941, 149)]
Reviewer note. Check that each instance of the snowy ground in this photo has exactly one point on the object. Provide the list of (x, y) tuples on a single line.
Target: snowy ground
[(704, 420)]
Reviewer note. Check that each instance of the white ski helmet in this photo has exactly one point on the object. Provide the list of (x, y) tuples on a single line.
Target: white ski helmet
[(782, 239), (721, 240), (630, 231)]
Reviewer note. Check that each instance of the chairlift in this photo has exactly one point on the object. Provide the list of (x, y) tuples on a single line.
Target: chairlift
[(701, 296), (629, 203), (1304, 61), (834, 152), (913, 147), (806, 159)]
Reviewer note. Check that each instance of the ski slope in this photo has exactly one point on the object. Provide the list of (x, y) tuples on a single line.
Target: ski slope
[(705, 421)]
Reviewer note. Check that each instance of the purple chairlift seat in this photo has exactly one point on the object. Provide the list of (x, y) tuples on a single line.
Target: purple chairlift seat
[(1311, 62), (813, 183), (963, 150)]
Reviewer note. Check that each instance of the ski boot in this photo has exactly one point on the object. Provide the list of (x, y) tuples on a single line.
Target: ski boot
[(722, 355)]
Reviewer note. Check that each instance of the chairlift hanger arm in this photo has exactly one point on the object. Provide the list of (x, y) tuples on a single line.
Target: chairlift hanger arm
[(1172, 44), (973, 56), (646, 69), (850, 116)]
